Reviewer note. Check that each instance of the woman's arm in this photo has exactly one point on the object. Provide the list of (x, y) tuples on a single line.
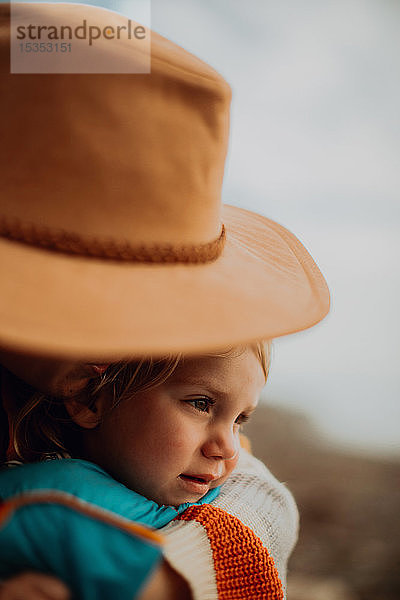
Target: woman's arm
[(165, 584), (33, 586)]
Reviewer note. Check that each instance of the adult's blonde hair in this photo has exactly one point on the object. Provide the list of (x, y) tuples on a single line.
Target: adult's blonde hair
[(41, 424)]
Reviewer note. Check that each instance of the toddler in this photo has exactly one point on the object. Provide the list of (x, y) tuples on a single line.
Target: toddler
[(167, 429)]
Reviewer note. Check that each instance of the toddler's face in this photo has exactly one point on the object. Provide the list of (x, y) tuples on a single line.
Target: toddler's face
[(174, 442)]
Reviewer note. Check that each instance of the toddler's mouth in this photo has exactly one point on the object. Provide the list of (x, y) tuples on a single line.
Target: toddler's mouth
[(196, 484), (193, 478)]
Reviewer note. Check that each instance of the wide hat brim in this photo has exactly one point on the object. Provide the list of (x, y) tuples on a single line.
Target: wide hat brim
[(265, 284)]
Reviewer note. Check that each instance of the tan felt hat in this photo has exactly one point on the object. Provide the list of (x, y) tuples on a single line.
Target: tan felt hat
[(113, 239)]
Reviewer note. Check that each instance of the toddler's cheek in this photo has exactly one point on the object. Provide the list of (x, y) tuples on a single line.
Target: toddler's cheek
[(231, 464), (229, 467)]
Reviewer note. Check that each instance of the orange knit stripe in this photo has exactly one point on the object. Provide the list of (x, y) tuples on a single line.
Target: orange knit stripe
[(244, 569)]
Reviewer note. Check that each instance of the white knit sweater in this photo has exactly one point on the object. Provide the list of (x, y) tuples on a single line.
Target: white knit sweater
[(261, 502)]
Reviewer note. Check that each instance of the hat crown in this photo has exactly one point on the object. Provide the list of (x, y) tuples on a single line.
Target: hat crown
[(136, 158)]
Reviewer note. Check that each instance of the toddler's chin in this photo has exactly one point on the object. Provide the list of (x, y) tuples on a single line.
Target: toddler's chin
[(177, 501)]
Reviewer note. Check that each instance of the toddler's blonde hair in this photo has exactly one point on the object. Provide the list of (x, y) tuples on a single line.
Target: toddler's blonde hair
[(42, 425)]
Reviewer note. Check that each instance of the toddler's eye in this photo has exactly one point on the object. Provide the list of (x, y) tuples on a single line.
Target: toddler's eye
[(202, 404), (242, 419)]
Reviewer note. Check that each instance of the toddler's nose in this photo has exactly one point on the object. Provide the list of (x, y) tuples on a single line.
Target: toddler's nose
[(222, 444)]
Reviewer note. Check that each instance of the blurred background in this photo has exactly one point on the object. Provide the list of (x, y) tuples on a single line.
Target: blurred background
[(315, 146)]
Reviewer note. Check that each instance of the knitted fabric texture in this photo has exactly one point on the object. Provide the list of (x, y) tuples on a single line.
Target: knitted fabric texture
[(243, 568), (260, 502)]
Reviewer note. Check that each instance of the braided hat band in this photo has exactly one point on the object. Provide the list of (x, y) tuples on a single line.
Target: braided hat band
[(108, 248)]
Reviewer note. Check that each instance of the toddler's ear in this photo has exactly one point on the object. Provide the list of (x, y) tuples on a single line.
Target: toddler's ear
[(84, 416)]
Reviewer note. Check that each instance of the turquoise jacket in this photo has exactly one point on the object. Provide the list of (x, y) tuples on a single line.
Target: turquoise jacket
[(69, 518)]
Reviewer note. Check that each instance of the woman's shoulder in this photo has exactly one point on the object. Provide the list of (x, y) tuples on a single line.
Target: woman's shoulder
[(263, 503), (260, 499)]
